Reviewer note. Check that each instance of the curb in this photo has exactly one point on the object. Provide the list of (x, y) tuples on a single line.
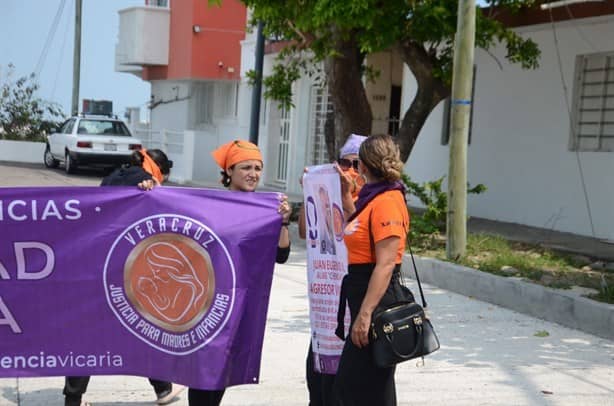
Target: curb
[(559, 306)]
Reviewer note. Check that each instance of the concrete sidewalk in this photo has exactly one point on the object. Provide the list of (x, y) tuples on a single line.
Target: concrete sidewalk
[(488, 356)]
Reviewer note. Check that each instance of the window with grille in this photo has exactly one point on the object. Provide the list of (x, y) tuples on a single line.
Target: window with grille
[(157, 3), (284, 145), (593, 108), (227, 94), (321, 107), (202, 95)]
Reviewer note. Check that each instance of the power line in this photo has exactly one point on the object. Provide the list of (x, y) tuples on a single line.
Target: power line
[(579, 30), (569, 115), (57, 73), (50, 35)]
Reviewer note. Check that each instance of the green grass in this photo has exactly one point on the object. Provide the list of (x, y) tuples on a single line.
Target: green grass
[(492, 253), (606, 294)]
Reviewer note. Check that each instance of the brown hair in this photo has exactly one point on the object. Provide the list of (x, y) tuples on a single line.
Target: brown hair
[(225, 178), (381, 155)]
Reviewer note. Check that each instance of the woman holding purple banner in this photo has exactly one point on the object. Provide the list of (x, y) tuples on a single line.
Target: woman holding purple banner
[(147, 167), (241, 163)]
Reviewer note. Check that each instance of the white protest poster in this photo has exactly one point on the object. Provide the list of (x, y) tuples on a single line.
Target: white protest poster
[(326, 262)]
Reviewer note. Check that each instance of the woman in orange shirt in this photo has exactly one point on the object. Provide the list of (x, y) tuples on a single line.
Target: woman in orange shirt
[(320, 386), (375, 236)]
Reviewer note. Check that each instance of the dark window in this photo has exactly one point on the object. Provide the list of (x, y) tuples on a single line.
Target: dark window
[(593, 108), (67, 127), (103, 127)]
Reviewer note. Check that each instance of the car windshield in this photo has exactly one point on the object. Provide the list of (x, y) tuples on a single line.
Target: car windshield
[(103, 127)]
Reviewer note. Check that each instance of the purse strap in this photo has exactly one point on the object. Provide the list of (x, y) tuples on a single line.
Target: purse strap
[(413, 261)]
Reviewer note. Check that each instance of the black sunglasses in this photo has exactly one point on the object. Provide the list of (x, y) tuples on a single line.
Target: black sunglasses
[(345, 164)]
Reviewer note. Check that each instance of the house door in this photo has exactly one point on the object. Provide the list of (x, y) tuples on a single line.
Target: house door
[(395, 110)]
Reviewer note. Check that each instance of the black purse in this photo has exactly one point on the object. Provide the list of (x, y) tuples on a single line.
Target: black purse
[(400, 332)]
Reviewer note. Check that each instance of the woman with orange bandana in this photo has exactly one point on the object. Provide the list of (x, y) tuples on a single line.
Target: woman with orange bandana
[(145, 165), (147, 168), (241, 164)]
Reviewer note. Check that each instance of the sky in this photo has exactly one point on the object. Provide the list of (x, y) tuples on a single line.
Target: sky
[(24, 28)]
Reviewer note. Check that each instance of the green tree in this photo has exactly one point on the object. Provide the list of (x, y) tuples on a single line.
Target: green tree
[(23, 115), (340, 33)]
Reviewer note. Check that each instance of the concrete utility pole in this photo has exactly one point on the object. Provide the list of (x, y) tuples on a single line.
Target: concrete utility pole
[(76, 63), (460, 114), (254, 121)]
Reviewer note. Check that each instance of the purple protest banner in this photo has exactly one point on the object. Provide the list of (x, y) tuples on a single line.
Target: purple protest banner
[(170, 284)]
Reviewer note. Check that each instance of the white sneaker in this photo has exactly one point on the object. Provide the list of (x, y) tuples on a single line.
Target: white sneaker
[(169, 396)]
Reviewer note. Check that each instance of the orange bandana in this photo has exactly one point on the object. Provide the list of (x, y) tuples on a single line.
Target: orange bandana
[(236, 151), (151, 167)]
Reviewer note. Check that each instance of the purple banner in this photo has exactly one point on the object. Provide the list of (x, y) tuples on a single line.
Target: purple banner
[(170, 284)]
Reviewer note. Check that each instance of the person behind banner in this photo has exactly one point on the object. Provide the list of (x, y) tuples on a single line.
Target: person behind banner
[(319, 385), (348, 162), (241, 163), (375, 236), (147, 167)]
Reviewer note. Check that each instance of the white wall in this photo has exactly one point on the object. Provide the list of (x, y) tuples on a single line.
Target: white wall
[(520, 139), (143, 37), (173, 112), (205, 168), (22, 151)]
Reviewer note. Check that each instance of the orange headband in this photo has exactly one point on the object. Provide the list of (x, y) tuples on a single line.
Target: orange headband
[(151, 167), (235, 151)]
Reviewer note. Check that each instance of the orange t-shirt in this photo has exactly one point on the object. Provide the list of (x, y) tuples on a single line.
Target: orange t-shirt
[(388, 216)]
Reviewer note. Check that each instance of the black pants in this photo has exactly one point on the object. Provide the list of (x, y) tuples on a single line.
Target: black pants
[(359, 382), (75, 387), (320, 386), (202, 397)]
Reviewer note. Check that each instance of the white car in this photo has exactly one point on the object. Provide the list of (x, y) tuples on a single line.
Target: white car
[(90, 140)]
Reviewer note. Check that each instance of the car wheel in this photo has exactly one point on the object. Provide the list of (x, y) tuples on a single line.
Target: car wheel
[(69, 164), (50, 161)]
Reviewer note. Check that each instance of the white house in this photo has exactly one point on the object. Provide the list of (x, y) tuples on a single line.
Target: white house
[(539, 138), (535, 156)]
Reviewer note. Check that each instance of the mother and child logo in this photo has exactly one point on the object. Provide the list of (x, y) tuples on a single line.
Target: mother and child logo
[(325, 220), (161, 282)]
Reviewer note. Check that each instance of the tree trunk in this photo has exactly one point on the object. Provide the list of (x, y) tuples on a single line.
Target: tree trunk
[(431, 91), (352, 112)]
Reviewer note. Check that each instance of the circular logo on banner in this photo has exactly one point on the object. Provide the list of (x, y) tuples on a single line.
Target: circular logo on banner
[(170, 281)]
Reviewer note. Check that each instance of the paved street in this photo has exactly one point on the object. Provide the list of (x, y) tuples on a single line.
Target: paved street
[(489, 355)]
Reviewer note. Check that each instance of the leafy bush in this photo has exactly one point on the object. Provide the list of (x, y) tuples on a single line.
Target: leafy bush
[(23, 115), (427, 224)]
